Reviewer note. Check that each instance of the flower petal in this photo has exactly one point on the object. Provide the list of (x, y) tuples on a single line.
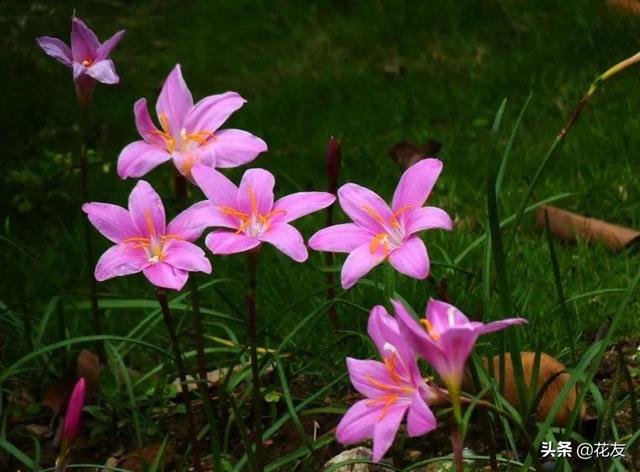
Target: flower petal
[(84, 42), (78, 70), (186, 256), (105, 48), (501, 324), (416, 184), (146, 128), (190, 223), (210, 112), (224, 242), (415, 334), (112, 221), (358, 263), (420, 419), (139, 157), (174, 101), (365, 374), (146, 210), (104, 71), (165, 276), (340, 238), (55, 48), (234, 147), (287, 239), (411, 258), (255, 194), (358, 423), (457, 343), (427, 218), (443, 316), (364, 207), (300, 204), (216, 186), (120, 260), (386, 428)]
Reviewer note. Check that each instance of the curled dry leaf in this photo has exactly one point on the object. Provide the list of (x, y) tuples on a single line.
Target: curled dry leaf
[(406, 154), (141, 459), (628, 6), (552, 376), (571, 227)]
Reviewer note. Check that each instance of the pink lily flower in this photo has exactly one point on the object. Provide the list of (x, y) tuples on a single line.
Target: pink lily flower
[(445, 338), (189, 133), (71, 426), (392, 388), (87, 57), (165, 254), (250, 216), (380, 232)]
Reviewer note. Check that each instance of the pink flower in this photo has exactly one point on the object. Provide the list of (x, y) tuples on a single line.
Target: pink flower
[(144, 243), (251, 217), (446, 337), (189, 133), (379, 232), (71, 426), (392, 388), (87, 57)]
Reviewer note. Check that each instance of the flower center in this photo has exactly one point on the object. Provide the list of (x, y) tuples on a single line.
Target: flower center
[(184, 142), (393, 231), (399, 387), (87, 63), (154, 246), (252, 224)]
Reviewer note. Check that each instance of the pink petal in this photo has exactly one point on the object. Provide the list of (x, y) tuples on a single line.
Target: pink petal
[(186, 161), (443, 316), (456, 344), (73, 414), (120, 260), (416, 184), (112, 221), (174, 101), (105, 48), (340, 238), (139, 157), (411, 258), (386, 428), (190, 223), (384, 331), (218, 188), (146, 210), (55, 48), (234, 147), (224, 242), (358, 423), (256, 192), (84, 42), (415, 334), (420, 419), (186, 256), (287, 239), (501, 324), (427, 218), (364, 207), (361, 374), (146, 128), (210, 112), (78, 70), (359, 263), (165, 276), (300, 204), (104, 72)]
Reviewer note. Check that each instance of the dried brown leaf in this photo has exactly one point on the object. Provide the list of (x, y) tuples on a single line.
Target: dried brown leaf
[(406, 154)]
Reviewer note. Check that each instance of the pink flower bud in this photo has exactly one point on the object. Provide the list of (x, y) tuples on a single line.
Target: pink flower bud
[(74, 413), (334, 158)]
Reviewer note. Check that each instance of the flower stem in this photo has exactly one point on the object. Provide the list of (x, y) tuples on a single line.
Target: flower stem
[(198, 324), (252, 259), (457, 437), (84, 188), (161, 295)]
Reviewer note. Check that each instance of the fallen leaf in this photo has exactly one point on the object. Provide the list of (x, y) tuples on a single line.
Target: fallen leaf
[(140, 459), (88, 366), (571, 226), (548, 373), (406, 154), (629, 6)]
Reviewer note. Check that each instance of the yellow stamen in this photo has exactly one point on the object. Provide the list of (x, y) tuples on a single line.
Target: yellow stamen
[(391, 368), (380, 240), (374, 214), (388, 400), (150, 227), (253, 201), (429, 327), (387, 387), (87, 63), (394, 218)]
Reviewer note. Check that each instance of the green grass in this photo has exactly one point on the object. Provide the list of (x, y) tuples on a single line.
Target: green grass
[(308, 71)]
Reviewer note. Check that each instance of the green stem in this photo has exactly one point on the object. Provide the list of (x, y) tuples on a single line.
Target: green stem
[(161, 295), (256, 399)]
